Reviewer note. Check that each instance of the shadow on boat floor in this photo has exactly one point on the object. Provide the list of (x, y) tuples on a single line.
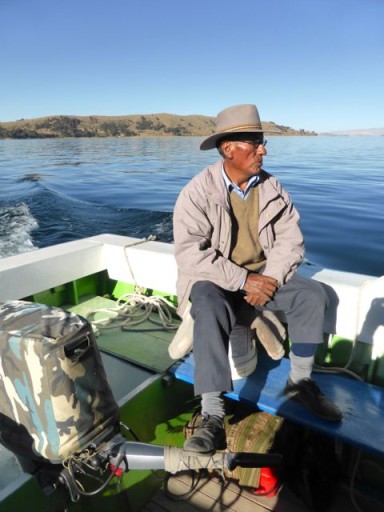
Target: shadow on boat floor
[(211, 494)]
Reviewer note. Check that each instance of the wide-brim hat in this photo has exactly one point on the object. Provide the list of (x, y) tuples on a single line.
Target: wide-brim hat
[(236, 119)]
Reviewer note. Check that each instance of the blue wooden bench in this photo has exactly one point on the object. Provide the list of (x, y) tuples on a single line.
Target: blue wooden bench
[(362, 404)]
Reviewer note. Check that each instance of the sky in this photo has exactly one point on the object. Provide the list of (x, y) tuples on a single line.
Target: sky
[(309, 64)]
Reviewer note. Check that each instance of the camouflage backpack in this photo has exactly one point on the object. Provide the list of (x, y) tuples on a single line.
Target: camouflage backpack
[(55, 399)]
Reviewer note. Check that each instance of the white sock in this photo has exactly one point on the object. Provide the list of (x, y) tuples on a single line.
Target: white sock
[(301, 367)]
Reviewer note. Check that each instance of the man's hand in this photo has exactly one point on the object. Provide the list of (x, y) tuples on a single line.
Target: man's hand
[(259, 289)]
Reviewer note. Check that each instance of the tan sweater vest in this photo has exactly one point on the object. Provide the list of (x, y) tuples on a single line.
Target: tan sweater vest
[(246, 250)]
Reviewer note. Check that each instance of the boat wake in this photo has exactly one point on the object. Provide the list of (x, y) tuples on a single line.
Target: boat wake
[(42, 217), (16, 225)]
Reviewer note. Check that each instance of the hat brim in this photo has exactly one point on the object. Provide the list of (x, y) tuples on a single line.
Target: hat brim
[(211, 141)]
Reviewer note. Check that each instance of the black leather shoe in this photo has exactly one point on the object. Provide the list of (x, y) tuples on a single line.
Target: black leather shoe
[(208, 436), (308, 393)]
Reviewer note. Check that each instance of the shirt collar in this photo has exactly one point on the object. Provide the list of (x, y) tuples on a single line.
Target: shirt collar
[(232, 186)]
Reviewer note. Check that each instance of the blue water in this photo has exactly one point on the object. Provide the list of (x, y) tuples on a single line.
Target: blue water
[(59, 190)]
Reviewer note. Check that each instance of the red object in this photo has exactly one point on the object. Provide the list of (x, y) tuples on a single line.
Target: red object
[(268, 484), (116, 470)]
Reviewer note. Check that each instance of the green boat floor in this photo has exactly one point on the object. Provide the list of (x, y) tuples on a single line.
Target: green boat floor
[(145, 344)]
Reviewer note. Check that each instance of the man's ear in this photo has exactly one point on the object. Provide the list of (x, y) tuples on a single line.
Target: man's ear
[(227, 149)]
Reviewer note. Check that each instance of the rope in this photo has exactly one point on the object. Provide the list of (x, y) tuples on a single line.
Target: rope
[(337, 369), (132, 309), (195, 465), (150, 238)]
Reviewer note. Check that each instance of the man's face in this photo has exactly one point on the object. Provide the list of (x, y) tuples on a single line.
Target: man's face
[(245, 156)]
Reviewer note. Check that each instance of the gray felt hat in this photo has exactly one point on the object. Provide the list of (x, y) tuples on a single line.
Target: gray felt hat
[(236, 119)]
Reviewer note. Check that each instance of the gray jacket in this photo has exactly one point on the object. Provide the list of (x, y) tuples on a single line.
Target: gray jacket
[(202, 233)]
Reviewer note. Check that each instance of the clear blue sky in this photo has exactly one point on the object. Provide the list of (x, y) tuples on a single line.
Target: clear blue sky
[(311, 64)]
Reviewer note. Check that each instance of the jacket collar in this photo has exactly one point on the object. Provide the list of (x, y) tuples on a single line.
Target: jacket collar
[(216, 187)]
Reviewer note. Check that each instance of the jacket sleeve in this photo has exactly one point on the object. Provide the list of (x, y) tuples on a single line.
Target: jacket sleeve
[(197, 254), (284, 244)]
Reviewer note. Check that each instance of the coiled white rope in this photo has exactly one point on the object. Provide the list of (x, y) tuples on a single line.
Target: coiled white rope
[(132, 309)]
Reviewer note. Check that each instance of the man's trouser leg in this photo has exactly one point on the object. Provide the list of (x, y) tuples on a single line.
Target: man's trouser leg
[(303, 302), (213, 311)]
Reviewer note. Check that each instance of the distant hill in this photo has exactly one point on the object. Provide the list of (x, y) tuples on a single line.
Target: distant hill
[(373, 132), (150, 125)]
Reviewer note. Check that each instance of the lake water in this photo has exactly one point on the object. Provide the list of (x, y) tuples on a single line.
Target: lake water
[(59, 190)]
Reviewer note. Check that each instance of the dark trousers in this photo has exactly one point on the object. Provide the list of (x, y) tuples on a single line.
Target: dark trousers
[(216, 311)]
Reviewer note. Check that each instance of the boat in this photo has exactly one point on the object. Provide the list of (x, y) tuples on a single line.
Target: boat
[(92, 277)]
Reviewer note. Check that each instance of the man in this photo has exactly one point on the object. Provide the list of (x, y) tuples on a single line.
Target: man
[(237, 245)]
